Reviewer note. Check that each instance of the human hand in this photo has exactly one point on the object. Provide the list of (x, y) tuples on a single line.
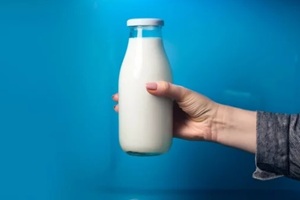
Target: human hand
[(194, 115)]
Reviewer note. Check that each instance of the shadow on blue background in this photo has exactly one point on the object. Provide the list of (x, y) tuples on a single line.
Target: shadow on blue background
[(59, 65)]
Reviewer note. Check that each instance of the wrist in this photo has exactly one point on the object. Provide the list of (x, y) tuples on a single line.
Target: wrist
[(235, 127), (220, 123)]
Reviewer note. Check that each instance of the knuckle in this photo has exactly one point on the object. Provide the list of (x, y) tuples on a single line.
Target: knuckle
[(165, 86)]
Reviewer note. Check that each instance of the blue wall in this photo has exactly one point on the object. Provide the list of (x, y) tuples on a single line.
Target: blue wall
[(59, 65)]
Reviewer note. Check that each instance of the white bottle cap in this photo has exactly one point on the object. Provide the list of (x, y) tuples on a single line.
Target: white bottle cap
[(145, 22)]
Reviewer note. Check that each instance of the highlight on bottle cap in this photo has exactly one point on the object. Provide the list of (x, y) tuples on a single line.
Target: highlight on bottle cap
[(145, 22)]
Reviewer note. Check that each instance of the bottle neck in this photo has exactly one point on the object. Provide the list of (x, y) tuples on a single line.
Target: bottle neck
[(145, 32)]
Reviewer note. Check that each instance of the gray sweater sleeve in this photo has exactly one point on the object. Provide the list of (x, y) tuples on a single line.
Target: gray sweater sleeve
[(278, 146)]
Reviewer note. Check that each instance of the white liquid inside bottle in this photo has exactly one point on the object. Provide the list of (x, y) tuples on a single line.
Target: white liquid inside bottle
[(145, 121)]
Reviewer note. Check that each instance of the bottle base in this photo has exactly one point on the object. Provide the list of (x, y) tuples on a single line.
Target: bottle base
[(133, 153)]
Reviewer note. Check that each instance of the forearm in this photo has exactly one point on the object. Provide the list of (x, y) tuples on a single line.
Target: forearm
[(236, 128), (273, 137), (278, 143)]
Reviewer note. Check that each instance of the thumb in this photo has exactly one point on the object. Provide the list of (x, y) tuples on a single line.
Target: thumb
[(166, 89)]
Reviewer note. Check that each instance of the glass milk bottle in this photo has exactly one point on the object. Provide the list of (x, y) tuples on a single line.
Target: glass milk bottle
[(145, 121)]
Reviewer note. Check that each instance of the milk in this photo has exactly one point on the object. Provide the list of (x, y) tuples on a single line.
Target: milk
[(145, 121)]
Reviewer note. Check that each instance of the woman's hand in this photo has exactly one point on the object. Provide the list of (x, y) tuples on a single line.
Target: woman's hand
[(194, 114), (198, 118)]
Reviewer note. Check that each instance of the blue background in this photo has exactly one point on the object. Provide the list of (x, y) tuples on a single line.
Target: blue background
[(59, 65)]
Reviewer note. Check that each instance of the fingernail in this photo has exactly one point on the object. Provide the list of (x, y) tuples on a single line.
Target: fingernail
[(151, 86)]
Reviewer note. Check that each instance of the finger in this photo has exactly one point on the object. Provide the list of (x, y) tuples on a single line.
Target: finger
[(166, 89), (116, 108), (115, 97)]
